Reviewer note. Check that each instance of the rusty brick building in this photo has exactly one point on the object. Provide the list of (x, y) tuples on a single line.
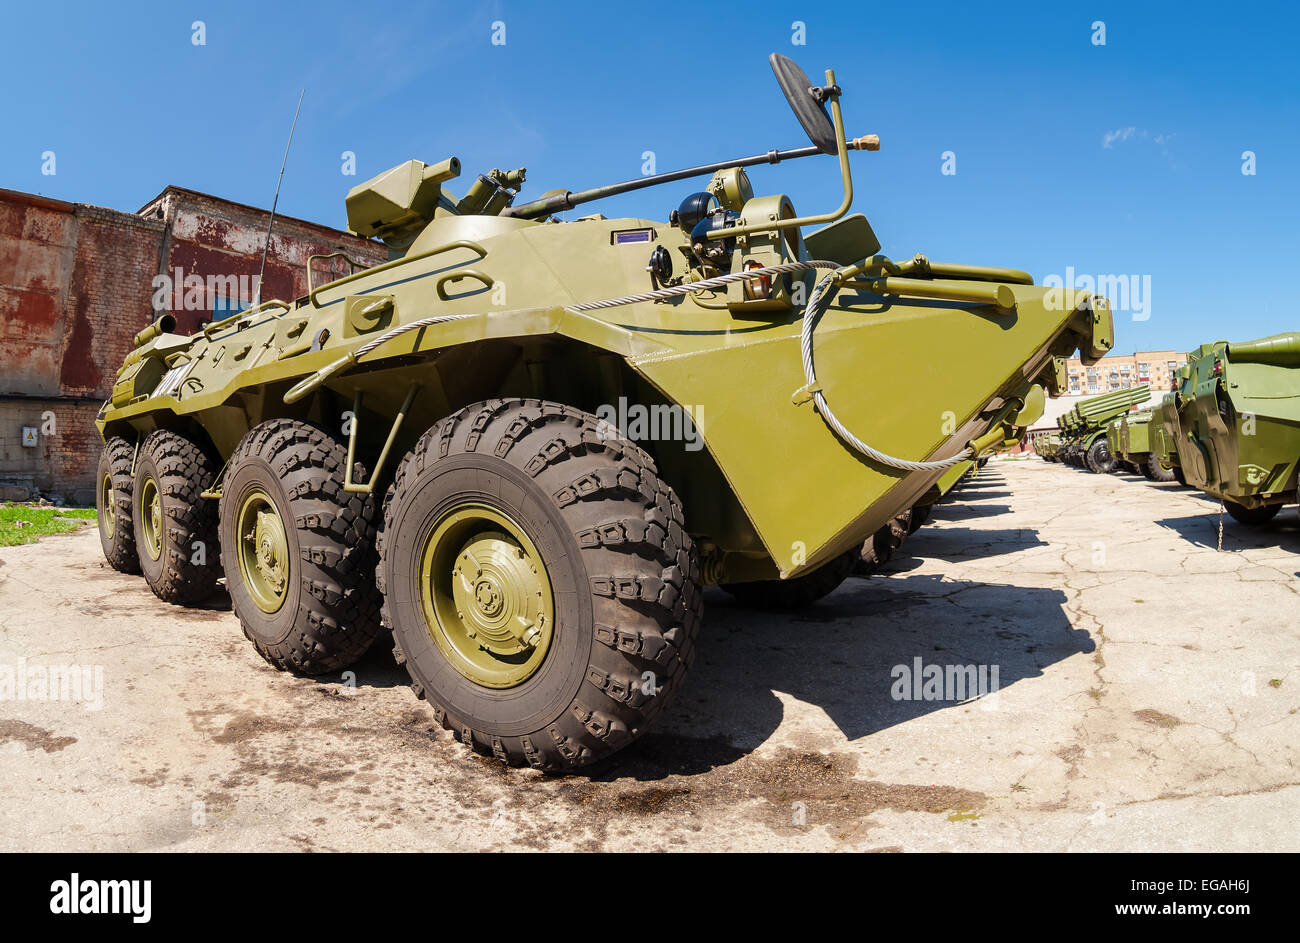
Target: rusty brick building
[(78, 281)]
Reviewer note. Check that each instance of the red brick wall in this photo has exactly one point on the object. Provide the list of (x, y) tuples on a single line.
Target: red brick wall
[(77, 284), (208, 236)]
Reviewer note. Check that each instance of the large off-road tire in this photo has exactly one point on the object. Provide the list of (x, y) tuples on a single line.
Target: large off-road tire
[(799, 592), (879, 548), (539, 583), (113, 505), (1179, 476), (298, 550), (175, 529), (1099, 459), (1155, 471), (919, 515), (1253, 517)]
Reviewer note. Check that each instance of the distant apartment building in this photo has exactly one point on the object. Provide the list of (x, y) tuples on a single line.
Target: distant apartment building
[(1115, 372)]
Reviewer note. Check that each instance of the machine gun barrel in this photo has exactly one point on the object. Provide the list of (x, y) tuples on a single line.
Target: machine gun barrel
[(566, 200)]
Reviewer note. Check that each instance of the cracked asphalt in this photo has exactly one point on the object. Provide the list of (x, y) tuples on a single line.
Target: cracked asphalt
[(1147, 700)]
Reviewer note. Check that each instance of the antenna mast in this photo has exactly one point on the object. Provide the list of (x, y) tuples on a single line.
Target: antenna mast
[(257, 296)]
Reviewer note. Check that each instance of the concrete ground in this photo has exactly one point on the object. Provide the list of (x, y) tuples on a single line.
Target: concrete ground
[(1148, 697)]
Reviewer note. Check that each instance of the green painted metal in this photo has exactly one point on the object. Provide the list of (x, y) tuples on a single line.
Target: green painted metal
[(151, 517), (1234, 420), (773, 490), (486, 596), (107, 507), (263, 551)]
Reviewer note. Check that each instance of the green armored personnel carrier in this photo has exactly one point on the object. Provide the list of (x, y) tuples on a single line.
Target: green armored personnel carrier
[(1087, 446), (1137, 440), (1235, 422), (526, 444)]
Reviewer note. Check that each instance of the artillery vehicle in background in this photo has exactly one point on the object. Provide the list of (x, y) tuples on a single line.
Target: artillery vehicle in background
[(525, 445), (1087, 446), (1235, 422), (1047, 445)]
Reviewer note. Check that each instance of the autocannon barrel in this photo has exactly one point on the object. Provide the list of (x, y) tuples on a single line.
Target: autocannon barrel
[(1280, 349), (164, 325)]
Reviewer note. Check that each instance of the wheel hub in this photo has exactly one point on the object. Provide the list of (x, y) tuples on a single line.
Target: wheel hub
[(151, 505), (107, 510), (263, 551), (486, 596)]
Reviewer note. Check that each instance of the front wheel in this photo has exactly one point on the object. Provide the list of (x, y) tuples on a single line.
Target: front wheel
[(539, 583), (1253, 517)]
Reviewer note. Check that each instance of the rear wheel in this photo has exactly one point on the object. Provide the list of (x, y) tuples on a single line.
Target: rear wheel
[(1099, 459), (298, 550), (1253, 517), (113, 505), (798, 592), (175, 528), (539, 583)]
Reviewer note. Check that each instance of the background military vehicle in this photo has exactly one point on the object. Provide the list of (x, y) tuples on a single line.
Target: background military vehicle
[(1235, 422), (470, 438), (1087, 421), (1166, 428), (1047, 445), (1137, 441)]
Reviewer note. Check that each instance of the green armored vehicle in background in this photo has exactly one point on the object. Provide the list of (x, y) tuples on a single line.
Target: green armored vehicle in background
[(526, 445), (1137, 440), (1235, 421), (1087, 446), (1047, 445), (1165, 428)]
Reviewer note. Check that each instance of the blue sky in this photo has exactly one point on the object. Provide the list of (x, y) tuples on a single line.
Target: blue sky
[(1122, 159)]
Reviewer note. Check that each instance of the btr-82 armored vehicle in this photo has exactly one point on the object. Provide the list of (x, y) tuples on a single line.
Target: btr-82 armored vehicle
[(526, 445)]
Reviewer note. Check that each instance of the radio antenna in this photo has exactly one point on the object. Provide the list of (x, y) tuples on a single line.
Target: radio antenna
[(257, 296)]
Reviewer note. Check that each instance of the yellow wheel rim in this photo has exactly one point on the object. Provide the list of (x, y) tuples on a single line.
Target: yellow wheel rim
[(263, 551), (151, 518), (107, 512), (486, 596)]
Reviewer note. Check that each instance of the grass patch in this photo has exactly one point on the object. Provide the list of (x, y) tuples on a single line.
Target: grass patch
[(25, 524)]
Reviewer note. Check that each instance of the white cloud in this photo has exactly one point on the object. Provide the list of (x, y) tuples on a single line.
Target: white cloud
[(1119, 134)]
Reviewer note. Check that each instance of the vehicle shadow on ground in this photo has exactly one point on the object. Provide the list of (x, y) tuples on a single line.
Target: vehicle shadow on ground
[(845, 656), (958, 509), (1202, 530), (959, 544)]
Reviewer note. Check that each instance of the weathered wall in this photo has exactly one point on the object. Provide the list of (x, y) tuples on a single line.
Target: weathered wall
[(74, 289), (207, 236), (76, 284)]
